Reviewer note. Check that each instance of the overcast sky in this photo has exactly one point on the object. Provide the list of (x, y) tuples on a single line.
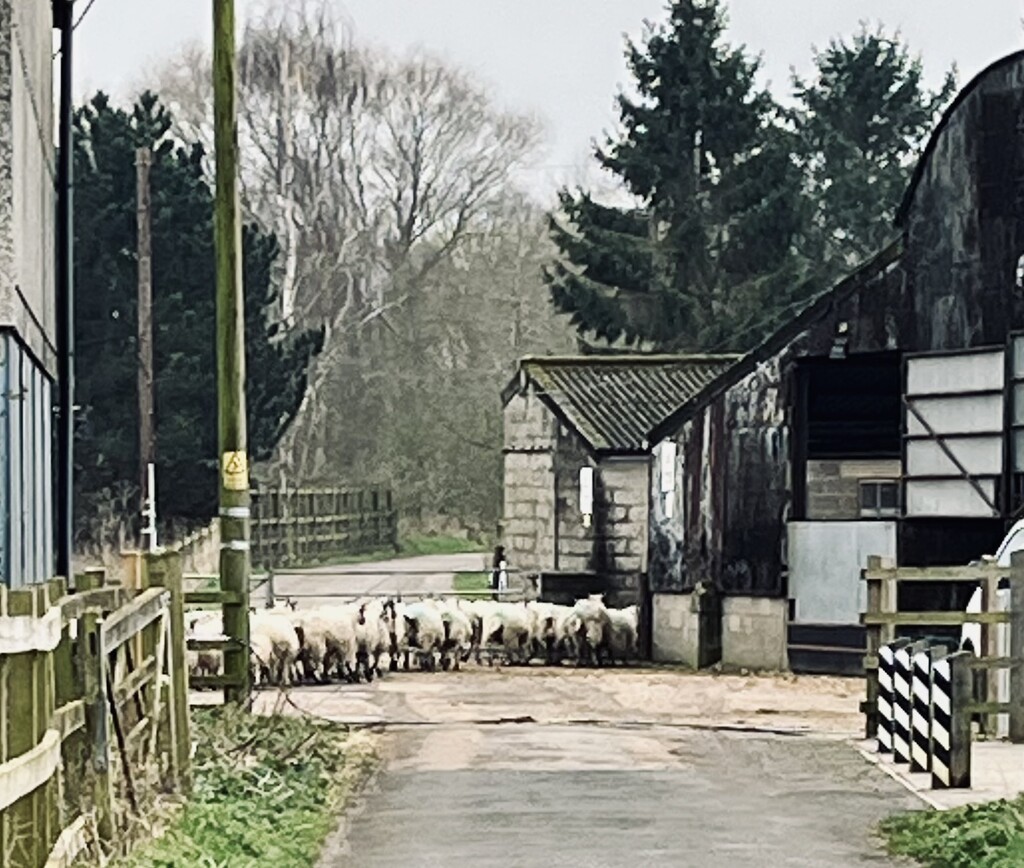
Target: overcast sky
[(561, 59)]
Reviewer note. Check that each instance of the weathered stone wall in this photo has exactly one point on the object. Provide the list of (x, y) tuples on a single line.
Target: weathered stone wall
[(528, 516)]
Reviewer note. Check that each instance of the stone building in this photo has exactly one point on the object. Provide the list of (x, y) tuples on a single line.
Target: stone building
[(576, 470), (885, 419), (28, 363)]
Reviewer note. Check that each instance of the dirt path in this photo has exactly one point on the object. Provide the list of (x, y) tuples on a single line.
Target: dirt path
[(538, 767)]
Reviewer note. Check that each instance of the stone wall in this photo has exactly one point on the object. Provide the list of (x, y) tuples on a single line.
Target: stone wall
[(528, 515), (625, 499), (542, 526), (577, 550), (833, 487)]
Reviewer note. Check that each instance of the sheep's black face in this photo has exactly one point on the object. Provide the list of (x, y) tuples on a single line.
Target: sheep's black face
[(412, 631)]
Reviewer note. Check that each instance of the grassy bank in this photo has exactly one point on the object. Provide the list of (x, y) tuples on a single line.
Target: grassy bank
[(983, 836), (268, 790)]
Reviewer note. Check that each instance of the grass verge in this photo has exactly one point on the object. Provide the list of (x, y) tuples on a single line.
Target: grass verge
[(412, 546), (976, 836), (439, 544), (268, 790), (471, 582)]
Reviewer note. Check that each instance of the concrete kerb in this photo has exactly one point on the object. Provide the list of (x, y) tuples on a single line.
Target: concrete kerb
[(997, 772), (903, 780)]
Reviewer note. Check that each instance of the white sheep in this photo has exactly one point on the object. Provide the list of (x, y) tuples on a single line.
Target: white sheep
[(594, 630), (329, 643), (372, 636), (204, 624), (551, 631), (624, 628), (424, 632), (458, 633), (275, 644), (508, 626)]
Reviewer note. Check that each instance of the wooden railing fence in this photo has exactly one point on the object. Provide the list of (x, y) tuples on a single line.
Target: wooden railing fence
[(93, 711), (301, 526), (883, 620)]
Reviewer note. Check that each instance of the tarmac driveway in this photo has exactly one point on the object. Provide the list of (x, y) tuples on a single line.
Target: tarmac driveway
[(611, 768)]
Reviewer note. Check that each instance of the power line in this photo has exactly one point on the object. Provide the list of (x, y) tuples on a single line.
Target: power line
[(85, 12), (81, 18)]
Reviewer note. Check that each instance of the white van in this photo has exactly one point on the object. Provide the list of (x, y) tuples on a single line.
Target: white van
[(971, 633), (970, 636)]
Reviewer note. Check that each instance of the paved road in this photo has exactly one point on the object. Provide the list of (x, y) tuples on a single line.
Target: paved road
[(531, 795), (426, 574), (612, 768)]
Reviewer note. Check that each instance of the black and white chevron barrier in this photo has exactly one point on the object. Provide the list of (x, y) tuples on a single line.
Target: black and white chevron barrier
[(951, 724), (901, 704), (924, 697), (921, 709), (886, 672)]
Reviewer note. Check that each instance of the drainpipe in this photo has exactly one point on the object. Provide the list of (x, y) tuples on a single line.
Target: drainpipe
[(62, 11)]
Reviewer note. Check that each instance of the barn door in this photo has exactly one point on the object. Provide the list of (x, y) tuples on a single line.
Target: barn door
[(954, 444)]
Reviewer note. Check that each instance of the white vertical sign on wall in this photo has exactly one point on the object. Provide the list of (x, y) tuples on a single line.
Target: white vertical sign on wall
[(587, 494), (667, 461)]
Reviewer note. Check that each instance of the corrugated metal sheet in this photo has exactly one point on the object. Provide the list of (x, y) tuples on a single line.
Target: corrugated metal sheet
[(614, 401), (26, 476)]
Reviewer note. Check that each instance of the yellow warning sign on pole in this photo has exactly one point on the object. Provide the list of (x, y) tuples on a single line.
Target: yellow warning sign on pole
[(235, 471)]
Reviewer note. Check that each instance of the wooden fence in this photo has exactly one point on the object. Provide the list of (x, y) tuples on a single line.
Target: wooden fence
[(93, 711), (884, 621), (302, 526)]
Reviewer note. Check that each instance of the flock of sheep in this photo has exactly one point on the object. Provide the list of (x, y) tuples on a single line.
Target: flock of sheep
[(360, 640)]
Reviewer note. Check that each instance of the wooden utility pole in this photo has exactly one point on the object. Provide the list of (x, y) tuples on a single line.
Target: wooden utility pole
[(234, 464), (147, 443)]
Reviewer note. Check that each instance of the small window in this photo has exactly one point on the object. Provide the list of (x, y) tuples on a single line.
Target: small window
[(879, 498)]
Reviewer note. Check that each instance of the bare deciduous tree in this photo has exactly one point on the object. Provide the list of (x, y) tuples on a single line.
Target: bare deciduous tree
[(387, 184)]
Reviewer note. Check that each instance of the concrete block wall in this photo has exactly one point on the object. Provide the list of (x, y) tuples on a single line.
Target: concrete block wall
[(833, 491), (754, 633), (674, 630)]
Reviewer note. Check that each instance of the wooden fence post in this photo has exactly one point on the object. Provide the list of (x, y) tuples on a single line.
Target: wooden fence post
[(179, 737), (889, 599), (952, 694), (873, 640), (1017, 647), (94, 674)]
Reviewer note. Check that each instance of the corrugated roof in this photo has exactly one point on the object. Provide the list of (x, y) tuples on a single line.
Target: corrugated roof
[(613, 401)]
